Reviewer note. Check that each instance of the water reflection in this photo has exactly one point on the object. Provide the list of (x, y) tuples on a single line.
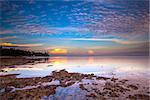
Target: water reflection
[(58, 60), (96, 65), (90, 60)]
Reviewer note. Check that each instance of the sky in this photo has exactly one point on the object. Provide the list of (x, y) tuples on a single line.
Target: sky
[(73, 27)]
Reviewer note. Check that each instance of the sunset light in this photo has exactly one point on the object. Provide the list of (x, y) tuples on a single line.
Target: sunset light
[(58, 51), (90, 52)]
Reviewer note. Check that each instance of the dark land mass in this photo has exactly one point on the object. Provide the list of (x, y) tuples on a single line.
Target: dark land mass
[(17, 52)]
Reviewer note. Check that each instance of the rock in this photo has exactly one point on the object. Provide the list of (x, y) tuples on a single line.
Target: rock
[(49, 65), (8, 89), (102, 78), (132, 87), (114, 79), (123, 81), (67, 84), (3, 70), (139, 97), (93, 95), (61, 74), (11, 66), (82, 87)]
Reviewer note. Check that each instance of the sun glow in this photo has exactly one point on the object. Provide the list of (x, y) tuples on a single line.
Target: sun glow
[(58, 51), (90, 52)]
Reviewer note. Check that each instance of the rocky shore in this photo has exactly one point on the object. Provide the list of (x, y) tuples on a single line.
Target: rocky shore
[(68, 85), (11, 61)]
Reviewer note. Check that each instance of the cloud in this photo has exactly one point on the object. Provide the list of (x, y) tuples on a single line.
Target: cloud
[(5, 31), (134, 50), (39, 29), (126, 19), (119, 41), (20, 45), (123, 22), (8, 38), (124, 26), (71, 29)]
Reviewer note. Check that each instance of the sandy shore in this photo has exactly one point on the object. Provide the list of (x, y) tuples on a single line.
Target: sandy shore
[(69, 86)]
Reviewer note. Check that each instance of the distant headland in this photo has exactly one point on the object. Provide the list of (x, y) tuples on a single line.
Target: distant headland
[(19, 52)]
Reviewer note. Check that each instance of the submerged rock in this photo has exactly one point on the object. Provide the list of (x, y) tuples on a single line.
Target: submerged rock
[(1, 70), (39, 87), (132, 87), (36, 93), (139, 97), (102, 78), (93, 95), (82, 87)]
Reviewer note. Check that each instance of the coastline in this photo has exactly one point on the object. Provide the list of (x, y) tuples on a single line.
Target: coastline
[(90, 86)]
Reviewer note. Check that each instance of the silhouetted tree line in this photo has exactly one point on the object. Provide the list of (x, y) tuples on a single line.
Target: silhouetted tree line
[(18, 52)]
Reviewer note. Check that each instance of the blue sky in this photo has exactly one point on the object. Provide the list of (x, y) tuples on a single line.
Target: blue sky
[(107, 27)]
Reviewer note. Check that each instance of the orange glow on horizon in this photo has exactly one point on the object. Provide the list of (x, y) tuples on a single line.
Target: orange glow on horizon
[(58, 51), (90, 52)]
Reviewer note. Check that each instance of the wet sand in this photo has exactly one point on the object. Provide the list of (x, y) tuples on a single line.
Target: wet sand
[(71, 86)]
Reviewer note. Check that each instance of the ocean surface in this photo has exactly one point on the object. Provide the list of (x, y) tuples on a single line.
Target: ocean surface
[(121, 66)]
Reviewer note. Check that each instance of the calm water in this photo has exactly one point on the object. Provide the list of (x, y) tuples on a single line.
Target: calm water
[(107, 66)]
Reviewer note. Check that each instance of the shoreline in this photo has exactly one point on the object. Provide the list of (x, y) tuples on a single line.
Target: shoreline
[(90, 86)]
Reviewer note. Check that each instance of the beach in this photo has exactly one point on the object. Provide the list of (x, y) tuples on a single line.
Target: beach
[(70, 85)]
